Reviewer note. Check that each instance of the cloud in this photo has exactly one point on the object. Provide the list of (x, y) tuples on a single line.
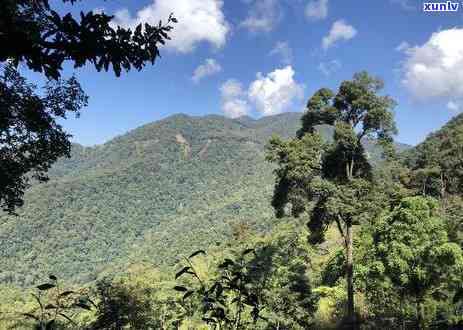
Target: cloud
[(198, 21), (210, 67), (454, 107), (405, 4), (434, 70), (316, 10), (403, 46), (269, 95), (263, 16), (339, 31), (283, 50), (276, 92), (330, 67), (234, 102)]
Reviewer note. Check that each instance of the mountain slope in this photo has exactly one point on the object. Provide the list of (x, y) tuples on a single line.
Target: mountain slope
[(153, 194)]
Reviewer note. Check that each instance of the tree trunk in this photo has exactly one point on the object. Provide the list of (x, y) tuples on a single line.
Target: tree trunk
[(419, 316), (402, 313), (350, 276)]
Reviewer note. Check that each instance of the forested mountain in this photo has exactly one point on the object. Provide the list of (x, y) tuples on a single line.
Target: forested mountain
[(153, 194)]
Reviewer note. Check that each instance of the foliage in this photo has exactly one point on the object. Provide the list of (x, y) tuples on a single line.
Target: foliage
[(409, 255), (136, 198), (31, 140), (34, 34), (61, 306), (120, 305), (38, 36), (332, 182), (230, 297), (437, 163)]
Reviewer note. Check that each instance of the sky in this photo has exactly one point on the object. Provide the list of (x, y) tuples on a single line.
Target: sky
[(263, 57)]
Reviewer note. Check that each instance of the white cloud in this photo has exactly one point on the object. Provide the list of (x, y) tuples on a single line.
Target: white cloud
[(403, 46), (210, 67), (330, 67), (276, 92), (434, 70), (198, 21), (283, 50), (234, 103), (271, 94), (263, 16), (316, 9), (339, 31), (454, 107)]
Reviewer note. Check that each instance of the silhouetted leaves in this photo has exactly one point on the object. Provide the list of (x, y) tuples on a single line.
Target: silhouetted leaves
[(185, 270), (45, 286), (41, 38), (180, 288), (59, 304), (197, 253)]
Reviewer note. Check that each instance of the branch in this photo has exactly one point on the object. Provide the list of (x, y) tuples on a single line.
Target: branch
[(341, 231)]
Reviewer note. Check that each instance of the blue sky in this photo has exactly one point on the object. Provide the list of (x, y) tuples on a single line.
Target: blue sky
[(261, 57)]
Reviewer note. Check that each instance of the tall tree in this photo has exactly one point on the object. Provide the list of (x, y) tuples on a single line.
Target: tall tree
[(331, 181), (34, 34)]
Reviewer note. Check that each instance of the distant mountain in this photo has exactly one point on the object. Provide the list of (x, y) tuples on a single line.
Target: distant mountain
[(153, 194)]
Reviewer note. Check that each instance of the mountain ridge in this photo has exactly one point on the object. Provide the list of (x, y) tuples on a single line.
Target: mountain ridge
[(155, 193)]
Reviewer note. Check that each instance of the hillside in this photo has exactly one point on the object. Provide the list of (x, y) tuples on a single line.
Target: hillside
[(153, 194), (448, 137)]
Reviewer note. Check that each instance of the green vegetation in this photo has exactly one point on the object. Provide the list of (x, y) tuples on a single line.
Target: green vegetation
[(173, 226), (140, 198), (332, 181), (35, 35)]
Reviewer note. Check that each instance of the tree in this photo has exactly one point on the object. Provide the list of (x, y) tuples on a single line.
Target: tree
[(331, 181), (120, 306), (410, 249), (38, 36), (34, 34), (30, 138)]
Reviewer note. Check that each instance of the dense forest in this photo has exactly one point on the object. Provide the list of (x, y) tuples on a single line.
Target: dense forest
[(116, 224), (313, 220), (144, 195)]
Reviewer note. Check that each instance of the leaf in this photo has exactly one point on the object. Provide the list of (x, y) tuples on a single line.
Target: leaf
[(45, 286), (219, 290), (67, 318), (91, 301), (188, 294), (196, 253), (83, 306), (180, 288), (31, 316), (38, 300), (226, 263), (208, 320), (183, 271), (66, 293), (211, 290), (247, 251)]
